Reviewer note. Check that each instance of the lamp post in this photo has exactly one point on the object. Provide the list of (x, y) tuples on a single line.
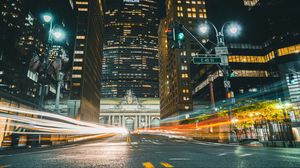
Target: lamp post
[(56, 34), (233, 29)]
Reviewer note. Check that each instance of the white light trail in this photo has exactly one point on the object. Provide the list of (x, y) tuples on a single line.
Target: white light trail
[(48, 123)]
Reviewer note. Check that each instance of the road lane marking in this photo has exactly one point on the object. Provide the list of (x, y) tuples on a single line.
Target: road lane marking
[(148, 165), (179, 159), (167, 165), (246, 154), (156, 143), (222, 154), (214, 144), (5, 155)]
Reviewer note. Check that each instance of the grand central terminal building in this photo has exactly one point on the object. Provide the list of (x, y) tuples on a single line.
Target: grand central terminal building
[(130, 112)]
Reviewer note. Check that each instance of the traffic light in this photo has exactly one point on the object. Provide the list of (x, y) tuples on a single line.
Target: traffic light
[(291, 78), (178, 36), (169, 32)]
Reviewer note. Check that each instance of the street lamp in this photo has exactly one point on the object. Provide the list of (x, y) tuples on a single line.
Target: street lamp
[(47, 18), (203, 28), (54, 33), (58, 34), (232, 29)]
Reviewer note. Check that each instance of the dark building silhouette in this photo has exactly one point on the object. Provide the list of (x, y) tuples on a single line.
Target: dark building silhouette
[(86, 68)]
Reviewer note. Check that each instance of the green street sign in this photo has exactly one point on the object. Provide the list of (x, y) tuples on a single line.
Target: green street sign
[(207, 60)]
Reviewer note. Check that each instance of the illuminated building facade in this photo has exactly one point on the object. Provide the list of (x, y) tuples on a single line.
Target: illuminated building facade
[(253, 67), (21, 37), (130, 59), (130, 112), (263, 65), (175, 81), (86, 68), (23, 45)]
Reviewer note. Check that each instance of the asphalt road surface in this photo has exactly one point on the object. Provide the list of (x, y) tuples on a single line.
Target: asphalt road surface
[(148, 151)]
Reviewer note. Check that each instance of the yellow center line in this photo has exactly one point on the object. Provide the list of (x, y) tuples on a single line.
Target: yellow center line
[(167, 165), (148, 165)]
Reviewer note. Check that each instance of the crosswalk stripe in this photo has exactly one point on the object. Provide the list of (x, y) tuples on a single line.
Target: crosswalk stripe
[(167, 165), (148, 165)]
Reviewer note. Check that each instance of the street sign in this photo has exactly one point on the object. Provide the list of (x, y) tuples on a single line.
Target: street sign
[(227, 84), (221, 50), (211, 59), (207, 60), (224, 60)]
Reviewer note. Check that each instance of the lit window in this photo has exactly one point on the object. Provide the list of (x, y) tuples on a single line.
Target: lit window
[(76, 84), (76, 76), (184, 68), (78, 52), (78, 60), (82, 9), (184, 75), (77, 68), (81, 3), (80, 37)]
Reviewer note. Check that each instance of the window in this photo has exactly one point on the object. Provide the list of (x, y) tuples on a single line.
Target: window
[(185, 75), (76, 84), (76, 76), (78, 52), (183, 68), (185, 90), (81, 3), (78, 60), (80, 37), (77, 68), (82, 9)]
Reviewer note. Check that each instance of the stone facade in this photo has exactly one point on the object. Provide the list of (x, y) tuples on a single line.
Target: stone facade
[(130, 112)]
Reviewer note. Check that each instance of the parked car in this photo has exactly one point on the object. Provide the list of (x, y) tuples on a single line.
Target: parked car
[(251, 142)]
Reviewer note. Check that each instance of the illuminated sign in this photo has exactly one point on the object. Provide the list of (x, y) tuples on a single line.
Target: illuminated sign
[(132, 1)]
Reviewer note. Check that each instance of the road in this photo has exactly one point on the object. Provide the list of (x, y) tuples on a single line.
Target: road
[(149, 151)]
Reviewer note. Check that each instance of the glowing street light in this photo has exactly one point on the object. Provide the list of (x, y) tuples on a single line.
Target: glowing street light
[(58, 34), (203, 28), (234, 29), (47, 18)]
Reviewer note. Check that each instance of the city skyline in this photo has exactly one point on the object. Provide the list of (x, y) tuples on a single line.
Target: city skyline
[(150, 83)]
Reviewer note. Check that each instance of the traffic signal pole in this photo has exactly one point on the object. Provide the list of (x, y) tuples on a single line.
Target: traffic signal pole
[(224, 68), (228, 91)]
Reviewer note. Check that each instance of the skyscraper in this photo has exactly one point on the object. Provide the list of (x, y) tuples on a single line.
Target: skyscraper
[(85, 94), (175, 83), (130, 59)]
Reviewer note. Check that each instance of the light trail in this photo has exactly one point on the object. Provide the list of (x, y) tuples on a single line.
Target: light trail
[(39, 122)]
